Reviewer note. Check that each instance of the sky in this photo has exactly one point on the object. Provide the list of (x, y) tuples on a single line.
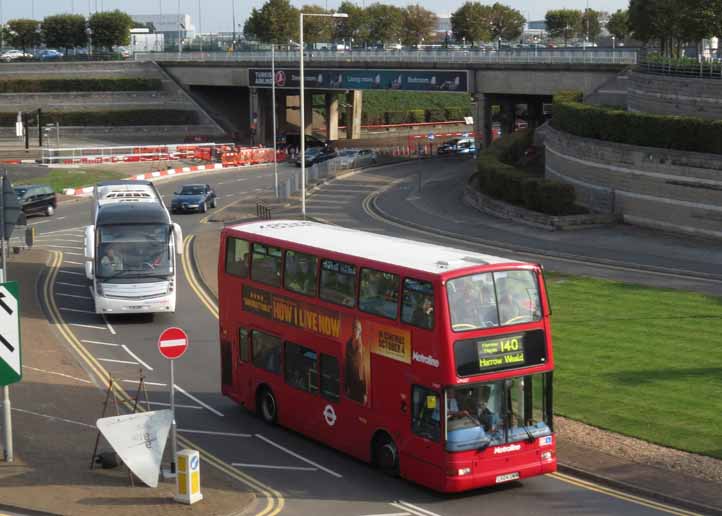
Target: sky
[(217, 15)]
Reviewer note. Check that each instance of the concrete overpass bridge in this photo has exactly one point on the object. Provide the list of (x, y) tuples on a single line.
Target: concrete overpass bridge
[(238, 85)]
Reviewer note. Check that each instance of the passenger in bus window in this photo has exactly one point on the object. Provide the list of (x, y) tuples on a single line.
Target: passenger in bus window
[(111, 262), (424, 313), (356, 367)]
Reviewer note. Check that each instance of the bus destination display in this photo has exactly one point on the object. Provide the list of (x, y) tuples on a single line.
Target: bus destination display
[(511, 351), (508, 350)]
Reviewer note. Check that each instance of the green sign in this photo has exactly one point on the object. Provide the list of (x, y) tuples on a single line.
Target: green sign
[(11, 365)]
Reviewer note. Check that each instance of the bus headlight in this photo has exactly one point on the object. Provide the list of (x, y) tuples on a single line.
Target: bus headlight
[(99, 288), (456, 470), (171, 286), (547, 456)]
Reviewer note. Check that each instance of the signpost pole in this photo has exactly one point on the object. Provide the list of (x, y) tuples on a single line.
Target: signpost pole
[(172, 424), (273, 108), (7, 414)]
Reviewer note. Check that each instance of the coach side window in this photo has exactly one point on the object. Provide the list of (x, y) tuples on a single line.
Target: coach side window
[(338, 283), (237, 257), (266, 265), (300, 273), (379, 293)]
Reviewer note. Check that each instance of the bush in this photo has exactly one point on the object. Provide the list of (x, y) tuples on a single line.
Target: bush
[(505, 182), (455, 113), (396, 117), (643, 129), (78, 85), (511, 148), (127, 117), (416, 115), (436, 115)]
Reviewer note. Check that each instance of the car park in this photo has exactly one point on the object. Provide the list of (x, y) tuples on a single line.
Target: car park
[(195, 197), (36, 199), (316, 155)]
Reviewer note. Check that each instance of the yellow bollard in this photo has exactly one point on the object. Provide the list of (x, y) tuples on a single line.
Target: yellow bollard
[(188, 477)]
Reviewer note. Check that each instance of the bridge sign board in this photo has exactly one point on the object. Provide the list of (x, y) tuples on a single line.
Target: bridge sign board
[(452, 81), (11, 365)]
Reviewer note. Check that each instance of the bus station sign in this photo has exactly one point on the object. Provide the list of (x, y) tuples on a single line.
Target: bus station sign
[(453, 81)]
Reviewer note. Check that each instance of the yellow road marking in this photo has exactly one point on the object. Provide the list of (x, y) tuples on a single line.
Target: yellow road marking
[(590, 486), (274, 500), (193, 281)]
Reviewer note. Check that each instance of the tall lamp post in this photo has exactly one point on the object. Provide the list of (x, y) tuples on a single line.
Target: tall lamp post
[(303, 109)]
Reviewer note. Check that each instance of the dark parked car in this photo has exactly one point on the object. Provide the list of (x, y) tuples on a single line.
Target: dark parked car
[(317, 155), (458, 146), (36, 199), (193, 198), (293, 140)]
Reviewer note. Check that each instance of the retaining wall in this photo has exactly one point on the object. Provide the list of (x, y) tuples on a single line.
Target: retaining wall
[(665, 95), (658, 188)]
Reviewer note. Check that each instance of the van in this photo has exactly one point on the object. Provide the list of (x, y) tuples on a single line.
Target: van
[(36, 199)]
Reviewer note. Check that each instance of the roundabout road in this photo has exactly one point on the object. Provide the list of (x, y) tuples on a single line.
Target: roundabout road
[(290, 473)]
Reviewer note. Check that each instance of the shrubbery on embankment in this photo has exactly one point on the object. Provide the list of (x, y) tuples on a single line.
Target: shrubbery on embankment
[(78, 85), (647, 130)]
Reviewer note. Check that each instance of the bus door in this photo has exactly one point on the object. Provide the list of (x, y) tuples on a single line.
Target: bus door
[(424, 445), (242, 368)]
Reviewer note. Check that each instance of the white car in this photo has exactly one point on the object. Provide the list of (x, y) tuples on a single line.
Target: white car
[(12, 55), (354, 158)]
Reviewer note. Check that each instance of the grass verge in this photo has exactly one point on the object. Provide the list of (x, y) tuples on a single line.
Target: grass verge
[(641, 361), (61, 178)]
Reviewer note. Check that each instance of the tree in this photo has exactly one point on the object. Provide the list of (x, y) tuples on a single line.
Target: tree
[(618, 24), (505, 23), (317, 29), (418, 24), (563, 23), (355, 27), (24, 33), (64, 31), (589, 26), (384, 23), (110, 28), (470, 22), (275, 22)]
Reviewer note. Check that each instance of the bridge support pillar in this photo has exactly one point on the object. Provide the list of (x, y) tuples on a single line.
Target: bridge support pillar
[(535, 111), (353, 120), (482, 119), (508, 116), (331, 116)]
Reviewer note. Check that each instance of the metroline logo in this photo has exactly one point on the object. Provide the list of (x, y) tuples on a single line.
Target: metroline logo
[(507, 449), (425, 359)]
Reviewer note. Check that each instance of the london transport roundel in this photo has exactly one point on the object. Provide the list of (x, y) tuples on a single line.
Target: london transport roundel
[(172, 343)]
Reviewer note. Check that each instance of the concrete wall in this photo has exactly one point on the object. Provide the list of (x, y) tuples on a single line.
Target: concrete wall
[(231, 75), (539, 81), (658, 188), (687, 96)]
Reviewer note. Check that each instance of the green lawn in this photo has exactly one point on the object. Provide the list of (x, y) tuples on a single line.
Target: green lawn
[(61, 178), (640, 361)]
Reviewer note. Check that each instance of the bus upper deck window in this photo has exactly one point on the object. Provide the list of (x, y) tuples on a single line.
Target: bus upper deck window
[(237, 257)]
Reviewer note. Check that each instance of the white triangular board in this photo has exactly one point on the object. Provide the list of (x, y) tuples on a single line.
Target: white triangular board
[(139, 440)]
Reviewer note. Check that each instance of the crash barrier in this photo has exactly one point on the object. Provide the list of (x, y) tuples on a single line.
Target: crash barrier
[(243, 156), (129, 154)]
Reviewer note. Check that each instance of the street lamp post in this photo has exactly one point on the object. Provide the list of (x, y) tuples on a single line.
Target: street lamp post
[(273, 107), (303, 108)]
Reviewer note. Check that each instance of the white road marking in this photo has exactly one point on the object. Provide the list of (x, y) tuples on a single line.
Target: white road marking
[(72, 272), (154, 384), (107, 324), (72, 295), (300, 457), (414, 509), (134, 356), (60, 218), (69, 284), (99, 343), (390, 514), (264, 466), (56, 374), (117, 361), (81, 230), (74, 263), (76, 310), (53, 418), (88, 326), (64, 247), (73, 254), (183, 391), (41, 222), (208, 432), (162, 404)]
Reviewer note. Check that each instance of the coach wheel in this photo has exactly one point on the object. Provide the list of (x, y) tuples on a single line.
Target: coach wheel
[(267, 406), (386, 455)]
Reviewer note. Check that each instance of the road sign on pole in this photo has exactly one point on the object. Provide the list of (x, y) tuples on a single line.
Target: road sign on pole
[(11, 368), (172, 343), (10, 207)]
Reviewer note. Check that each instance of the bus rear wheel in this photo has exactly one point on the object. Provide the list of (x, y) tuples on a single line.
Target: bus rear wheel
[(386, 454), (267, 406)]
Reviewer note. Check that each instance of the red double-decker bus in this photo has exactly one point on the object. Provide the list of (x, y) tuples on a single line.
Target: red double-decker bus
[(430, 362)]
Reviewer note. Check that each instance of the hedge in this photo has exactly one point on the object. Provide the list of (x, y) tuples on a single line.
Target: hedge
[(643, 129), (127, 117), (436, 115), (505, 182), (78, 85)]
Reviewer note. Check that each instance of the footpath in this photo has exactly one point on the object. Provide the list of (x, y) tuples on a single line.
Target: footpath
[(679, 482), (55, 407)]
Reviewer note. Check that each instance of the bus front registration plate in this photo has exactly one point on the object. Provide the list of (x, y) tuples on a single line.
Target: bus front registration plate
[(507, 477)]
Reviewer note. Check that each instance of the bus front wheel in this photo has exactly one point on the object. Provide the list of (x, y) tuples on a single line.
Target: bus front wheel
[(267, 406), (386, 454)]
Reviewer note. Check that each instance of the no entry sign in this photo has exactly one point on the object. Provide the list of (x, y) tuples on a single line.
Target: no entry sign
[(172, 343)]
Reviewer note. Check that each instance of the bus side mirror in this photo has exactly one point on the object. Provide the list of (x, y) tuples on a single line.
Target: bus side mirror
[(89, 244), (178, 237)]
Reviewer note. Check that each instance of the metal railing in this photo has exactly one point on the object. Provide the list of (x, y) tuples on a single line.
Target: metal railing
[(593, 56), (704, 69)]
